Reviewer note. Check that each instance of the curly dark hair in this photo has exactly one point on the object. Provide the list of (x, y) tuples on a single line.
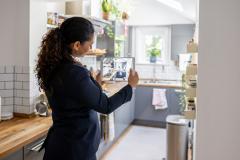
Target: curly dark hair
[(55, 47)]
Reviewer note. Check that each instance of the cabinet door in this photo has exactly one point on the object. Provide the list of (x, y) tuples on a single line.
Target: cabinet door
[(31, 150), (124, 116), (132, 108), (18, 155), (145, 111), (121, 119)]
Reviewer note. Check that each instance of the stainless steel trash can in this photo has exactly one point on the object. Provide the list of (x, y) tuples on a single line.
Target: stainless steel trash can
[(177, 137)]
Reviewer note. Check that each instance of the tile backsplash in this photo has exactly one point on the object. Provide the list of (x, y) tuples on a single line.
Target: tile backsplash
[(21, 90), (7, 88), (167, 72), (14, 89)]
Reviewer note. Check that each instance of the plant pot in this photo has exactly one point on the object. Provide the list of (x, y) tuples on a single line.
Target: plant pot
[(125, 16), (153, 59), (105, 15)]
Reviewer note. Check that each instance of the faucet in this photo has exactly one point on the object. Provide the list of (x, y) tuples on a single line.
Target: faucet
[(163, 68)]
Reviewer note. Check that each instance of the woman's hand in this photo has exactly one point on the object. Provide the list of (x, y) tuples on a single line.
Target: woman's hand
[(133, 78), (99, 78)]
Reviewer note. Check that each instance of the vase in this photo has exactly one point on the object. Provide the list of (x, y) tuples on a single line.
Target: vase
[(153, 59)]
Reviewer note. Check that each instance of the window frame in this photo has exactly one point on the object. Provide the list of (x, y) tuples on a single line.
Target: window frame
[(138, 42)]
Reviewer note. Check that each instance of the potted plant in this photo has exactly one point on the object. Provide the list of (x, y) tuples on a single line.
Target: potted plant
[(153, 53), (125, 16), (153, 49), (106, 8)]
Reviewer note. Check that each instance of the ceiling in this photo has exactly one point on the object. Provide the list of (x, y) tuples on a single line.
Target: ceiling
[(154, 12)]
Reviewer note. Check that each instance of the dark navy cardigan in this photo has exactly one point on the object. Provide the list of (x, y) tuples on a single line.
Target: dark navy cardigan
[(75, 98)]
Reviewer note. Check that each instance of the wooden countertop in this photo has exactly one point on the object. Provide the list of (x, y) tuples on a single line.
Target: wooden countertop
[(18, 132), (113, 87)]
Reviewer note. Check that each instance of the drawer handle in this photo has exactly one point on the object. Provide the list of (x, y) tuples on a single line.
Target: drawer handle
[(36, 147)]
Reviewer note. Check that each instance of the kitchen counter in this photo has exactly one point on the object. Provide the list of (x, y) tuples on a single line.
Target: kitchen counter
[(18, 132), (113, 87), (160, 83)]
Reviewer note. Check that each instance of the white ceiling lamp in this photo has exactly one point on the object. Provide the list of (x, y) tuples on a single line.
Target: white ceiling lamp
[(173, 4)]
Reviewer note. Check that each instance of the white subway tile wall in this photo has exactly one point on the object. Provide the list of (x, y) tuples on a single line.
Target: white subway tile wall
[(18, 69), (9, 69), (2, 69), (7, 101), (7, 88), (14, 89), (168, 72), (18, 85), (8, 85), (22, 109), (25, 85), (18, 101), (26, 101), (21, 90), (2, 85), (6, 77), (25, 69)]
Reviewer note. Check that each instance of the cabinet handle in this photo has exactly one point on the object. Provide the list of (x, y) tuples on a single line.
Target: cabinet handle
[(37, 146)]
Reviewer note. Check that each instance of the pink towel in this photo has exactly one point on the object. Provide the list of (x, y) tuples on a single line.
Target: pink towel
[(159, 100)]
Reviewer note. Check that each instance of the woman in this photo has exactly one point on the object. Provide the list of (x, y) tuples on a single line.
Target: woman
[(74, 96)]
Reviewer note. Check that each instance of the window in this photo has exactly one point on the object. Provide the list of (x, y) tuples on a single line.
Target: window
[(155, 40), (153, 47)]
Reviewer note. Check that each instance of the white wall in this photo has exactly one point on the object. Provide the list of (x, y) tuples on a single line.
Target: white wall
[(218, 128), (38, 21), (14, 39), (152, 12)]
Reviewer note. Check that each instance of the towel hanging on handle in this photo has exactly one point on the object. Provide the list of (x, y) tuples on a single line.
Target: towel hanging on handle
[(159, 100)]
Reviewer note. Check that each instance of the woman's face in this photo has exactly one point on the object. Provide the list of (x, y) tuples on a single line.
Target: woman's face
[(81, 49)]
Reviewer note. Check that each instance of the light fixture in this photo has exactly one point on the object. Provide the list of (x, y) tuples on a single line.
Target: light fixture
[(173, 4)]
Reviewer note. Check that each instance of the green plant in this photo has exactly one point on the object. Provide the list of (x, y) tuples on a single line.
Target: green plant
[(106, 6), (153, 49), (154, 52)]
